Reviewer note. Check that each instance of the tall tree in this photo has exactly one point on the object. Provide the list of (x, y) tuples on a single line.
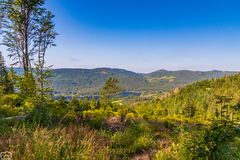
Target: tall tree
[(27, 30), (110, 88), (44, 40), (20, 26)]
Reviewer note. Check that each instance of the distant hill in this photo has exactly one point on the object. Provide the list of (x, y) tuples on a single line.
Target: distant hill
[(89, 81), (166, 80)]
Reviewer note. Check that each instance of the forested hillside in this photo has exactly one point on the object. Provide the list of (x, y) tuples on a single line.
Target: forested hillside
[(89, 81), (204, 99), (207, 98)]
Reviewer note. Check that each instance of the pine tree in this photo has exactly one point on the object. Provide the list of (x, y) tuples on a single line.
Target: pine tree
[(6, 86), (223, 100), (2, 67), (110, 88), (2, 74), (27, 86), (12, 78)]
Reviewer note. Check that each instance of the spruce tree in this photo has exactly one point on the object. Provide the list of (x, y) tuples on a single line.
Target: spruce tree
[(6, 86), (110, 88)]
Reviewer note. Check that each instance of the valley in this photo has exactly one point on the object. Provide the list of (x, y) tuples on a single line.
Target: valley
[(89, 81)]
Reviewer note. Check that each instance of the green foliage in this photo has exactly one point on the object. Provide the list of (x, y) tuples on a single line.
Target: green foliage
[(43, 85), (5, 128), (43, 40), (212, 143), (189, 110), (163, 155), (27, 85), (175, 124), (41, 115), (133, 140), (204, 100), (6, 82), (10, 105), (110, 88), (22, 23), (95, 118)]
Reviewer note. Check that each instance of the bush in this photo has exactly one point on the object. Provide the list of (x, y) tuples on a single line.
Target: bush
[(10, 105), (130, 116), (95, 118), (133, 140), (212, 143), (41, 115)]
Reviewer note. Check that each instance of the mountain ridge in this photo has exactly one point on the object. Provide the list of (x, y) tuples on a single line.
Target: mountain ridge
[(69, 81), (80, 81), (113, 68)]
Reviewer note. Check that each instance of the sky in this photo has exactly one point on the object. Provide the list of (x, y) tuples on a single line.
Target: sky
[(146, 35)]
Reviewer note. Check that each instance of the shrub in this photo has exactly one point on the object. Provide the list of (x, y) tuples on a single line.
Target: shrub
[(95, 118), (130, 116), (133, 140), (212, 143), (163, 155), (10, 105), (42, 114)]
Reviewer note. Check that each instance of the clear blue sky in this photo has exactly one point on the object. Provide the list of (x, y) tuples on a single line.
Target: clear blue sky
[(146, 35)]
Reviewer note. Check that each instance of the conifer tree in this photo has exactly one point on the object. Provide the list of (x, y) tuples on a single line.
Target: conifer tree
[(2, 74), (12, 77), (223, 100), (110, 88), (6, 86)]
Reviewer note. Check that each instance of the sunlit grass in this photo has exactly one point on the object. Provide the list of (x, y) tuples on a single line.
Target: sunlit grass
[(69, 142)]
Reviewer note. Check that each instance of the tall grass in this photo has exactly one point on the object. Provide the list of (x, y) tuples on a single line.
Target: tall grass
[(72, 142)]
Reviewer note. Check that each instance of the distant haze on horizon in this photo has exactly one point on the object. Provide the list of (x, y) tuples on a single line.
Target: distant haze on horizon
[(147, 35), (154, 70), (104, 68)]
